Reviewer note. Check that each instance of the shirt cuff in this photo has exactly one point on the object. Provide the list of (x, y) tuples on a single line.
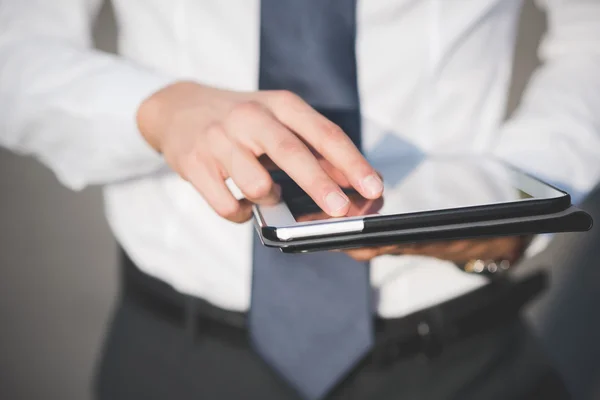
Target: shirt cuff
[(137, 154), (117, 149)]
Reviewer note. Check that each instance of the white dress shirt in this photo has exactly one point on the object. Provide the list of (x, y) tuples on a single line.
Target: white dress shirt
[(433, 73)]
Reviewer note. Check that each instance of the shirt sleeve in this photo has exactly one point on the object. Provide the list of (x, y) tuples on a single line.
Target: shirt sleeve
[(555, 132), (70, 106)]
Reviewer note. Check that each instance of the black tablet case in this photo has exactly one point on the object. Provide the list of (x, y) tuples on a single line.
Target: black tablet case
[(570, 220)]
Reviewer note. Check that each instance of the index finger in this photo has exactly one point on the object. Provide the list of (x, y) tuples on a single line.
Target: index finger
[(269, 136), (329, 140)]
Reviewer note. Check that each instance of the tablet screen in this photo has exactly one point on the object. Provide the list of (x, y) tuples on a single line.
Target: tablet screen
[(428, 184)]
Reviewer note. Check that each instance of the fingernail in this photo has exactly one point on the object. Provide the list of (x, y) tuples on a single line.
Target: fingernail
[(373, 185), (335, 201)]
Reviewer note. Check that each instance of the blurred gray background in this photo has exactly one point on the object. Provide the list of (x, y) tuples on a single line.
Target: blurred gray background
[(58, 273)]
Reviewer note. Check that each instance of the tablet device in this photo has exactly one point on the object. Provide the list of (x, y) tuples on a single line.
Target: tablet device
[(569, 220), (432, 191)]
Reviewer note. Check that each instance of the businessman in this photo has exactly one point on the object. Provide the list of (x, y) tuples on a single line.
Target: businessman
[(207, 93)]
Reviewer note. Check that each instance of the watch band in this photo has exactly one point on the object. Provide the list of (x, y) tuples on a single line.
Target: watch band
[(495, 267)]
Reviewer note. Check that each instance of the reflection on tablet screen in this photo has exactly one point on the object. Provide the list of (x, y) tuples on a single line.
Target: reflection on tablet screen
[(428, 184), (303, 208)]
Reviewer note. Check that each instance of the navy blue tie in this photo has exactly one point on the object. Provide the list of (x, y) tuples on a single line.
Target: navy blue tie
[(311, 314)]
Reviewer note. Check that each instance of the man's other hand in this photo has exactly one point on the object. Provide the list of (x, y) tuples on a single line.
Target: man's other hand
[(459, 251)]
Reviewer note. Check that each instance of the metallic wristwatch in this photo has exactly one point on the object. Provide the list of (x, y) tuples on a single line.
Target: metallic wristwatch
[(496, 267), (486, 267)]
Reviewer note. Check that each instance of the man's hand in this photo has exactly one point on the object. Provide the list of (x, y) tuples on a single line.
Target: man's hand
[(502, 248), (208, 135)]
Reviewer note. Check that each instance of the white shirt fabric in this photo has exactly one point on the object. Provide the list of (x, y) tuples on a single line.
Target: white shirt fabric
[(433, 73)]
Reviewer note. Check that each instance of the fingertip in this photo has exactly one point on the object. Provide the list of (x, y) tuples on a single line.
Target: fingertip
[(371, 186), (337, 204)]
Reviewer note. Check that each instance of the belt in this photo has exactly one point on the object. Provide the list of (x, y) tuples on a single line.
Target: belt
[(424, 333)]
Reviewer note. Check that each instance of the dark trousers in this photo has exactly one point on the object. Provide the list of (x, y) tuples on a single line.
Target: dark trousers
[(149, 357)]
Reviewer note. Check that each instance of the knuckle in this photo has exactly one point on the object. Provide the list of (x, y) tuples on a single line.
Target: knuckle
[(289, 145), (285, 97), (191, 164), (245, 111), (260, 188), (198, 158), (332, 133), (217, 142), (214, 132), (228, 210)]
